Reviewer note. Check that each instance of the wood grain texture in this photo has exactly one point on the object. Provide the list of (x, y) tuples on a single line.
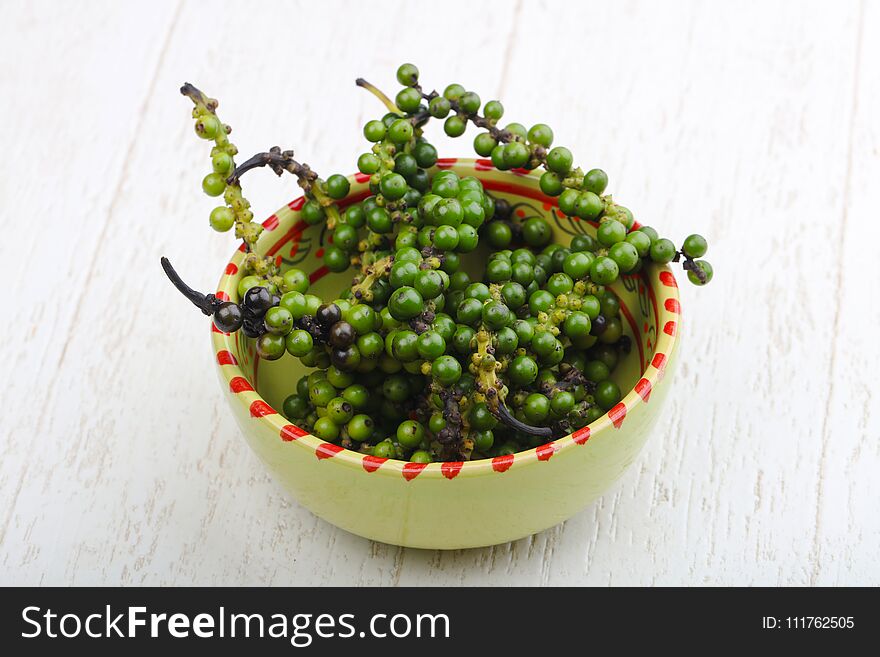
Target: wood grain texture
[(755, 123)]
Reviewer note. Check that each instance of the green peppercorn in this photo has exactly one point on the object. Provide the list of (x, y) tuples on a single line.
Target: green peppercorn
[(537, 232), (446, 370), (562, 403), (410, 434), (541, 134), (421, 456), (583, 243), (295, 407), (493, 110), (338, 186), (559, 160), (499, 234), (495, 315), (393, 186), (611, 232), (523, 370), (431, 345), (400, 131), (551, 183), (536, 408), (540, 301), (641, 241), (455, 126), (222, 219), (604, 270), (425, 154), (483, 440), (326, 429), (404, 346), (484, 143), (625, 255), (595, 181), (607, 394), (662, 251), (405, 303), (408, 100)]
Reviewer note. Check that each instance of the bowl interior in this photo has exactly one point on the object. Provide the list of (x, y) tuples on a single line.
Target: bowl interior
[(296, 244)]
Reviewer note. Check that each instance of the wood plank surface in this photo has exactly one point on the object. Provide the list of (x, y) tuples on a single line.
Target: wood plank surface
[(754, 123)]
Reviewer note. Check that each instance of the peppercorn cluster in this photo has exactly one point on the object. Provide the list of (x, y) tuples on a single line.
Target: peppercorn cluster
[(419, 359)]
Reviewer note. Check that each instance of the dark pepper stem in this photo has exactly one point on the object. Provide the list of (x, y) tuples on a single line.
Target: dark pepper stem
[(690, 264), (277, 160), (207, 303), (198, 97), (507, 418)]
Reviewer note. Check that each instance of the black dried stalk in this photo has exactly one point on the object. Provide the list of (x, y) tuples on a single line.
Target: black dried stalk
[(207, 303), (503, 413), (277, 160), (690, 264)]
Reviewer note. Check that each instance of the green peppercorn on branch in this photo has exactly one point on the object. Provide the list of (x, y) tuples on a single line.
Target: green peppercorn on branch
[(513, 146), (226, 180), (418, 360), (484, 365), (361, 288), (581, 191), (237, 211), (381, 165)]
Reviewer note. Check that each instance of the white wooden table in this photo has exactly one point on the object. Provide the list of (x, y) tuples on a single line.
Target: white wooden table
[(757, 124)]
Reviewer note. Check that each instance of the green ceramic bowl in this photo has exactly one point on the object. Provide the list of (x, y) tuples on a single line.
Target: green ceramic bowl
[(449, 505)]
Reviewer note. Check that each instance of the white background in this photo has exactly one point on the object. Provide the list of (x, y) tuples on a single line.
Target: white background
[(754, 123)]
